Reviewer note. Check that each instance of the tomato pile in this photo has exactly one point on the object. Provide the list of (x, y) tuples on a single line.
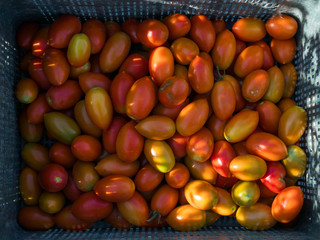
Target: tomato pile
[(174, 122)]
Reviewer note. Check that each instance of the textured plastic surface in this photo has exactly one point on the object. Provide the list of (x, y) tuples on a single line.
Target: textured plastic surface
[(307, 95)]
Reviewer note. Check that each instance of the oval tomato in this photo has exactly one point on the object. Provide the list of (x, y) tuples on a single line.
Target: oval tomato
[(225, 182), (251, 58), (112, 28), (71, 190), (75, 72), (296, 162), (36, 72), (148, 178), (30, 189), (37, 109), (222, 155), (84, 175), (136, 65), (225, 205), (274, 177), (53, 177), (178, 176), (181, 71), (96, 32), (51, 202), (281, 27), (115, 219), (26, 90), (86, 148), (240, 102), (171, 112), (240, 148), (245, 193), (178, 145), (201, 170), (268, 61), (178, 25), (216, 126), (25, 61), (283, 51), (130, 27), (35, 155), (25, 34), (164, 200), (276, 85), (61, 153), (249, 29), (90, 80), (207, 57), (219, 25), (269, 116), (290, 79), (79, 50), (152, 33), (30, 132), (109, 135), (32, 218), (184, 50), (286, 103)]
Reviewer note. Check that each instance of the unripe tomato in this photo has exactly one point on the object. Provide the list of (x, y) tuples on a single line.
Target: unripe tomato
[(276, 85), (51, 202), (245, 193), (249, 29), (152, 33), (79, 50), (251, 58), (35, 156), (26, 90), (75, 72), (225, 205), (178, 25), (296, 162), (282, 27)]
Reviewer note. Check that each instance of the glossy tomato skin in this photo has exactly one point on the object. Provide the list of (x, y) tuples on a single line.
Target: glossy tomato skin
[(99, 107), (33, 218), (249, 29), (240, 102), (178, 25), (29, 132), (268, 61), (281, 27), (112, 165), (180, 71), (225, 182), (137, 107), (148, 178), (79, 50), (136, 65), (35, 156), (71, 191), (119, 89), (164, 200), (274, 177), (240, 148), (30, 189), (64, 96), (296, 162), (269, 116), (84, 175), (207, 57), (219, 25), (248, 167), (51, 202), (61, 127), (276, 85), (178, 145), (283, 51), (222, 155), (67, 221), (90, 208), (287, 204), (161, 64), (245, 193), (115, 188), (152, 33), (292, 124), (90, 80), (290, 79), (129, 143), (37, 109), (200, 75), (285, 103), (114, 52), (216, 126), (266, 146), (202, 32), (36, 72), (61, 153), (62, 30), (184, 50), (201, 170), (53, 177), (178, 176), (186, 218), (26, 33), (251, 58), (86, 148), (135, 210), (26, 90), (171, 112), (265, 192), (109, 135), (225, 205), (130, 27), (256, 217), (96, 32)]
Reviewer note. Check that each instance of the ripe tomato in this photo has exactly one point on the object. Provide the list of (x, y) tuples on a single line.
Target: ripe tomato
[(115, 219), (90, 208), (292, 124), (30, 189), (255, 217), (90, 80), (36, 72), (84, 175), (181, 71), (96, 32), (129, 143), (37, 109), (268, 61), (30, 132), (184, 50), (114, 188), (25, 61), (249, 29), (61, 153), (136, 65), (240, 102), (207, 57), (178, 176), (130, 27), (71, 190), (164, 200), (79, 50), (269, 116), (86, 148), (33, 218), (296, 162), (286, 103), (186, 218), (178, 25), (109, 135), (240, 148), (274, 177), (225, 205), (245, 193), (53, 177), (283, 51), (281, 27), (287, 204), (152, 33), (112, 28), (148, 178), (202, 32), (216, 126), (171, 112), (75, 72), (26, 90), (25, 34), (178, 145), (219, 25), (290, 79), (248, 167), (276, 85), (35, 156), (51, 202), (265, 192), (114, 52)]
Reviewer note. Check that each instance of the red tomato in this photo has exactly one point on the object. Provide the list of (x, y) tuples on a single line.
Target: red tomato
[(274, 177), (53, 177), (29, 132), (32, 218), (268, 61), (240, 46), (152, 33), (86, 148), (71, 191), (225, 182), (90, 80), (276, 85), (96, 32), (112, 28), (240, 148), (90, 208), (219, 25), (249, 29), (178, 25), (178, 144), (109, 135), (29, 186), (26, 90), (25, 34), (171, 112), (290, 79), (61, 153), (207, 57), (130, 27), (265, 192), (115, 219), (39, 42), (202, 32), (148, 178), (37, 109), (222, 155), (283, 51), (281, 27), (184, 50), (135, 65), (216, 126), (35, 70), (24, 63), (269, 116), (178, 176)]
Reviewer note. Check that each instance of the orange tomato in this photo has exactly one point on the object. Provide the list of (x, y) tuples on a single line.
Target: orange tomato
[(152, 33), (240, 102), (249, 29), (29, 132), (281, 27), (268, 61), (225, 205), (219, 25), (76, 71), (164, 200), (171, 112), (178, 176), (184, 50), (216, 126), (276, 85), (29, 186), (112, 28), (283, 51), (86, 148), (269, 116), (26, 90), (178, 25), (290, 79), (207, 57)]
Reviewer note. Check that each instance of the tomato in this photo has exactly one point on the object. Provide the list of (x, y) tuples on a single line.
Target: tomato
[(61, 153), (225, 205), (86, 148), (225, 182), (55, 66), (53, 177), (192, 117), (178, 25), (292, 124), (178, 176), (245, 194), (178, 145), (224, 49), (90, 208), (109, 135), (249, 29), (112, 165), (114, 52), (281, 27), (240, 148), (30, 132), (268, 61), (181, 71), (84, 175), (79, 50), (219, 25), (184, 50), (240, 102), (152, 33), (287, 204), (296, 162), (255, 217), (130, 27), (30, 189), (286, 103), (171, 112), (269, 116), (37, 109), (216, 126), (274, 177), (201, 170), (265, 192), (290, 79), (67, 221), (61, 127), (135, 65), (153, 222), (148, 195), (207, 57), (241, 125), (25, 34), (182, 197), (25, 61), (39, 42), (148, 178), (159, 155), (200, 75), (32, 218), (90, 80), (129, 143), (161, 64), (240, 46), (276, 85), (135, 210), (51, 202), (99, 107), (202, 32), (35, 155), (112, 28), (283, 51), (96, 32), (115, 188), (248, 167), (211, 217), (95, 64), (186, 218), (75, 72), (71, 190), (36, 72), (115, 219)]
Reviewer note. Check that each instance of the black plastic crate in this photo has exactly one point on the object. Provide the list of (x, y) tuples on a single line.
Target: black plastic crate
[(307, 62)]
